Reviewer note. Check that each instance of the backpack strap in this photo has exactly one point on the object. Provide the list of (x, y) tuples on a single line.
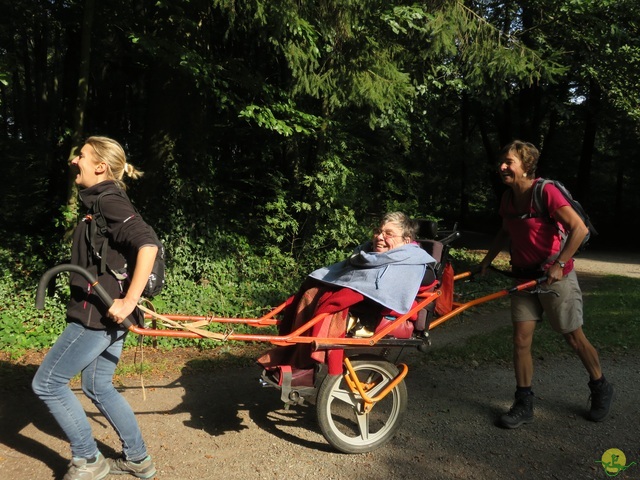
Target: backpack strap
[(542, 210), (538, 207), (97, 223)]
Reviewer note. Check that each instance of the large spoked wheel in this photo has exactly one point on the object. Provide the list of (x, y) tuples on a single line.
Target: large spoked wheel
[(341, 413)]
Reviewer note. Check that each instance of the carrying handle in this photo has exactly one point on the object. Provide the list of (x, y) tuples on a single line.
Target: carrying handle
[(69, 267)]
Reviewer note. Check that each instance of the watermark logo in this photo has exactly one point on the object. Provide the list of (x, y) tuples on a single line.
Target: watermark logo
[(614, 461)]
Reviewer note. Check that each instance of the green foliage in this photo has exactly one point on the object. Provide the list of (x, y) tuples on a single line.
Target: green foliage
[(604, 27), (282, 118), (206, 277), (22, 327)]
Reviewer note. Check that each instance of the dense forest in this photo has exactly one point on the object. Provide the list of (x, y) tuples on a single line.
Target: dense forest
[(272, 133)]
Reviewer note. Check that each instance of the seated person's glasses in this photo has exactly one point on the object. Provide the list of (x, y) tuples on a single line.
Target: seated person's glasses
[(385, 233)]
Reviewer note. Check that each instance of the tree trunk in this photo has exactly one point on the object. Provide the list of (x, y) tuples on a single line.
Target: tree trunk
[(465, 114), (583, 187), (81, 101)]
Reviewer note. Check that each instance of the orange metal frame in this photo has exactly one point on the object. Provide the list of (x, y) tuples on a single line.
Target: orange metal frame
[(301, 335), (357, 387)]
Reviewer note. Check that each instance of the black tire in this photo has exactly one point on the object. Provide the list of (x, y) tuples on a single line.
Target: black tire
[(340, 412)]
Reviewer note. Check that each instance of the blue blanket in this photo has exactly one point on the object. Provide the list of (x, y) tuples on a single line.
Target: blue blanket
[(390, 278)]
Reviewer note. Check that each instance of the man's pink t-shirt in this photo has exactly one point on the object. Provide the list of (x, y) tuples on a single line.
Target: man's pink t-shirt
[(534, 240)]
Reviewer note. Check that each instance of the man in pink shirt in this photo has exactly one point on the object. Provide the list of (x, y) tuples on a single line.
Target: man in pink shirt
[(537, 248)]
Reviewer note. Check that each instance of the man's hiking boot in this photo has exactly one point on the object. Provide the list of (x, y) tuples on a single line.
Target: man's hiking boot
[(521, 412), (601, 398), (88, 469), (143, 469)]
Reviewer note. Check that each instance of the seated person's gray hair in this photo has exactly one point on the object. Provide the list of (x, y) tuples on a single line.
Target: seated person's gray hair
[(408, 226)]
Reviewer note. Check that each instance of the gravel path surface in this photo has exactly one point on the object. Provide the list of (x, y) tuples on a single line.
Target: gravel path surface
[(222, 424)]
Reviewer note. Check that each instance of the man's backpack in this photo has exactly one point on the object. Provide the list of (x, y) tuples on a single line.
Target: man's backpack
[(156, 280), (541, 210)]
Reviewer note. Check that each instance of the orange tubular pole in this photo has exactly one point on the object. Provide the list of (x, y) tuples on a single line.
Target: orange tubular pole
[(254, 322), (356, 386), (462, 275), (478, 301), (264, 321), (290, 339)]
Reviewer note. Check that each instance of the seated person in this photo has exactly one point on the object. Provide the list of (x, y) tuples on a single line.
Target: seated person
[(387, 270)]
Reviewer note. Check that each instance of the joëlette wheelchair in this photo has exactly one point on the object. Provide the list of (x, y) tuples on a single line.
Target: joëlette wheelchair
[(362, 407)]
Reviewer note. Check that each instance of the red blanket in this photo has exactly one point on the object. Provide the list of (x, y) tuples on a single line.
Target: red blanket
[(301, 308)]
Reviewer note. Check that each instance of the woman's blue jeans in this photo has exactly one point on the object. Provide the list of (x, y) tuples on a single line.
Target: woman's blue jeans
[(95, 354)]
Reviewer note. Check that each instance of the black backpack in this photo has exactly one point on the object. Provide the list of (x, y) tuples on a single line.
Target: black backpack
[(540, 208), (156, 280)]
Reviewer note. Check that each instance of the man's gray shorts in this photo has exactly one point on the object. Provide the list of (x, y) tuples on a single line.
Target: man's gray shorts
[(564, 310)]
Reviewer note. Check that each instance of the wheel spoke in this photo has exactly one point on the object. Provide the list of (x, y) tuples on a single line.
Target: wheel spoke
[(363, 425), (344, 396)]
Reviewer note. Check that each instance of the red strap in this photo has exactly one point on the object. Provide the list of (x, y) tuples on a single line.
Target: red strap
[(444, 303)]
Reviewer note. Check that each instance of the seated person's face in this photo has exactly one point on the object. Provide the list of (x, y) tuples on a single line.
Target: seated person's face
[(388, 237)]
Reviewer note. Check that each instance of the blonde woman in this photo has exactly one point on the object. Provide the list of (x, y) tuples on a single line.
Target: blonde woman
[(92, 342)]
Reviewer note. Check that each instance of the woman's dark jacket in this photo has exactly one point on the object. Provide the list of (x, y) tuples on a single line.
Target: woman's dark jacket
[(126, 233)]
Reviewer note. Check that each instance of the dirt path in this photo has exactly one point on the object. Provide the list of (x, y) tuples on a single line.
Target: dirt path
[(222, 424)]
